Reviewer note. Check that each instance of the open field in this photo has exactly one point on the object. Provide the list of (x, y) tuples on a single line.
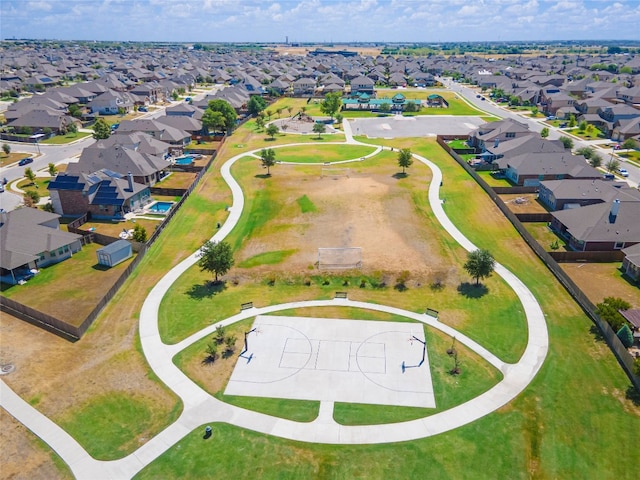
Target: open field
[(64, 139), (579, 400), (322, 153)]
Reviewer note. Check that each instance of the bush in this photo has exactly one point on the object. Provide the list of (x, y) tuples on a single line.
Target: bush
[(139, 233), (31, 198), (636, 366), (608, 311), (625, 335)]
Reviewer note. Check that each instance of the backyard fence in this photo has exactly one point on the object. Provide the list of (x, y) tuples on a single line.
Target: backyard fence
[(73, 332), (622, 355), (534, 217)]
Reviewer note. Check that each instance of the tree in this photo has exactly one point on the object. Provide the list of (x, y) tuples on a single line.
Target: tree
[(215, 257), (272, 130), (6, 148), (479, 264), (596, 160), (629, 144), (572, 121), (212, 352), (319, 128), (385, 108), (567, 142), (279, 111), (582, 126), (227, 111), (31, 198), (268, 158), (256, 104), (75, 110), (53, 170), (213, 121), (625, 335), (260, 121), (586, 152), (613, 165), (609, 311), (544, 133), (72, 128), (30, 175), (405, 159), (289, 109), (591, 130), (101, 129), (339, 118), (331, 104), (139, 233)]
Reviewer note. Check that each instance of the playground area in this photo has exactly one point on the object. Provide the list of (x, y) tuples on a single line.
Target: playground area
[(337, 360), (302, 124)]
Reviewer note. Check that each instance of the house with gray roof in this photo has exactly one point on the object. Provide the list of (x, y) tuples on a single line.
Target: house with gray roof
[(491, 132), (529, 169), (604, 226), (565, 194), (31, 239)]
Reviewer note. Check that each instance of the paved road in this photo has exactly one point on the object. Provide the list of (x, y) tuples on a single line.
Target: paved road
[(199, 407)]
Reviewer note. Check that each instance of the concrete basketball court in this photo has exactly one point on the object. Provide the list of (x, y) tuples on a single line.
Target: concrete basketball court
[(395, 126), (352, 361)]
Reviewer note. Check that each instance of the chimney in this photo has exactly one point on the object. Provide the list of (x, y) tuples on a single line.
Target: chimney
[(496, 143), (130, 179), (615, 208)]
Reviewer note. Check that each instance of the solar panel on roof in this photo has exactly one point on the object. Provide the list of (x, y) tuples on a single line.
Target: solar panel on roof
[(111, 173)]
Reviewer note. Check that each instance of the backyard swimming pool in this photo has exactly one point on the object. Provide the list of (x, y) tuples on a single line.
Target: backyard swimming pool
[(160, 207), (185, 160)]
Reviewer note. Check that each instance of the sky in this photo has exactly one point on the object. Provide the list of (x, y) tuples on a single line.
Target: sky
[(332, 21)]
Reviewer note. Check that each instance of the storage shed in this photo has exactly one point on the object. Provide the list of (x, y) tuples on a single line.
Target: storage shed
[(114, 253)]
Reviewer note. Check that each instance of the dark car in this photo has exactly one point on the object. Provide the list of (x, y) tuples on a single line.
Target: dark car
[(143, 109), (25, 161)]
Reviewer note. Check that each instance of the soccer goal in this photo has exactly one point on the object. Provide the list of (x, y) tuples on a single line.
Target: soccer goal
[(339, 258), (333, 172)]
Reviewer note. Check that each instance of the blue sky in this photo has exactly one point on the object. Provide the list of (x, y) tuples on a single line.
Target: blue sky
[(321, 20)]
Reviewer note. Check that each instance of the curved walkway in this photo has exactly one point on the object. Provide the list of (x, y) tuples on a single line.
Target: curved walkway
[(199, 407)]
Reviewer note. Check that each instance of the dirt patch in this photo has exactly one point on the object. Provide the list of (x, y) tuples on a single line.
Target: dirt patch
[(373, 212), (524, 203), (600, 280)]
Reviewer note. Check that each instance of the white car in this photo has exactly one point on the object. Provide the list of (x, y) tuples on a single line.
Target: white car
[(623, 172)]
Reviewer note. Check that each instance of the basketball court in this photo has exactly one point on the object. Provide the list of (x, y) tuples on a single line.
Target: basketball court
[(352, 361)]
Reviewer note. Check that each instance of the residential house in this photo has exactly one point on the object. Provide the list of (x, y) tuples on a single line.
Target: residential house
[(601, 227), (566, 194), (31, 239), (362, 84), (147, 169), (104, 194), (631, 267), (529, 169), (491, 132), (112, 102), (304, 86), (530, 143), (624, 129), (161, 131)]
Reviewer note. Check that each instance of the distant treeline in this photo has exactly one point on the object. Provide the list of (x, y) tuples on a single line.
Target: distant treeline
[(501, 48)]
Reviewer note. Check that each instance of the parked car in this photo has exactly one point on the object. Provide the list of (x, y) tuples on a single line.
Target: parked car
[(551, 117), (623, 172), (143, 109), (563, 125), (115, 126), (617, 146), (25, 161)]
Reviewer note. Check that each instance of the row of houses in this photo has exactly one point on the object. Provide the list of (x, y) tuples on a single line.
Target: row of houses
[(589, 212)]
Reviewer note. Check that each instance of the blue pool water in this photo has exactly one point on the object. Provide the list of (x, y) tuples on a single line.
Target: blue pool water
[(160, 207), (186, 160)]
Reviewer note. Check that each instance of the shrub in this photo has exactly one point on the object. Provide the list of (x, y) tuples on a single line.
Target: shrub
[(608, 311), (139, 233), (625, 335)]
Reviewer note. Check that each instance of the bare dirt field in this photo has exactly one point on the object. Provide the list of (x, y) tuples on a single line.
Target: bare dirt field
[(369, 210)]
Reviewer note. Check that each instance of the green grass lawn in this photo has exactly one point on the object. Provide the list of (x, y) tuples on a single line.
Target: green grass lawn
[(64, 139), (321, 153), (68, 290), (107, 435), (543, 235)]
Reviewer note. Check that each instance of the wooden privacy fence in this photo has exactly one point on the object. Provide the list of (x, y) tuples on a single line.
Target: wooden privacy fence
[(75, 332), (622, 355)]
